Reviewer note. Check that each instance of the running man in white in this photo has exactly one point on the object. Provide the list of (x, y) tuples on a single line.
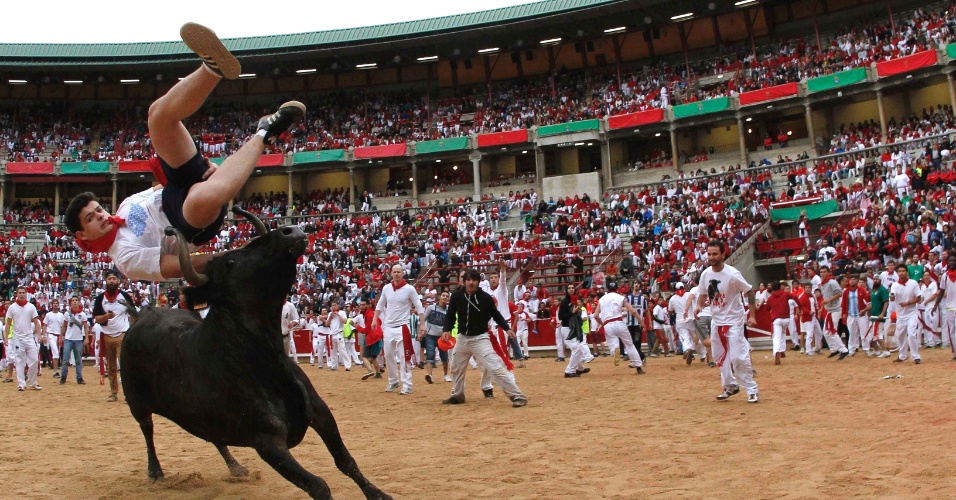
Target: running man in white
[(610, 312), (684, 324), (723, 286), (522, 321), (53, 326), (26, 351), (398, 299), (907, 296), (947, 297), (340, 354)]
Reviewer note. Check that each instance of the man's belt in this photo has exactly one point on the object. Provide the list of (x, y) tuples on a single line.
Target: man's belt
[(612, 320)]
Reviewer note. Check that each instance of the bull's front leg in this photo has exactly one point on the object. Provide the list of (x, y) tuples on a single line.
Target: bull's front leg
[(323, 422), (273, 449), (152, 462), (235, 468)]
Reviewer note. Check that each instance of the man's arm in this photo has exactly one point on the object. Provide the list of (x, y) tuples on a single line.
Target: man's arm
[(499, 319), (752, 314), (450, 317)]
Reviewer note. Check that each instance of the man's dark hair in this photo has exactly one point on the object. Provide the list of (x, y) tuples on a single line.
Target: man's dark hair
[(471, 274), (72, 215), (719, 245), (776, 285)]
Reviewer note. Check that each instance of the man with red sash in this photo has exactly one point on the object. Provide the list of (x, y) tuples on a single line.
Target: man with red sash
[(398, 299)]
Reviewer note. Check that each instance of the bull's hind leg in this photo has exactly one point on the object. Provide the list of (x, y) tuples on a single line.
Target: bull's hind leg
[(324, 423), (234, 468), (274, 451), (146, 425)]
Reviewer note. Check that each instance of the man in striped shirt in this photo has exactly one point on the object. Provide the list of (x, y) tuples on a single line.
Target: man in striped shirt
[(635, 326)]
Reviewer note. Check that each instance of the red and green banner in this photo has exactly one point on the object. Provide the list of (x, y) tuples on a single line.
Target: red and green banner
[(569, 128), (386, 151), (318, 156), (441, 145), (704, 107), (906, 64), (29, 168), (632, 120), (84, 167), (836, 80), (502, 138), (274, 160), (768, 94), (813, 211)]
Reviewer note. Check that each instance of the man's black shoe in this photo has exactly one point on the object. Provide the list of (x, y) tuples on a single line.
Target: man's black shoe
[(81, 382), (843, 355), (489, 393), (583, 371), (571, 375), (454, 400), (834, 354), (62, 380), (288, 114)]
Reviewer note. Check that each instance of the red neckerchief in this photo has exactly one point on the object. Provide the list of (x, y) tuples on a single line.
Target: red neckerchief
[(399, 285), (76, 310), (113, 297), (952, 275), (103, 243), (902, 281), (21, 303)]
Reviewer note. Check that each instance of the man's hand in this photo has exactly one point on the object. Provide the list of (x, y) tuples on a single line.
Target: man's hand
[(211, 170), (511, 333), (696, 313), (752, 321), (446, 336)]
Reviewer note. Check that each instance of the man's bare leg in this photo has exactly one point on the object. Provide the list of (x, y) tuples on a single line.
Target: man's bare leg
[(172, 141)]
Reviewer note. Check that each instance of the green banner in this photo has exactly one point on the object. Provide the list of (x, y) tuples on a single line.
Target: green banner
[(813, 211), (567, 128), (702, 107), (218, 161), (454, 144), (85, 167), (318, 156), (951, 50), (836, 80)]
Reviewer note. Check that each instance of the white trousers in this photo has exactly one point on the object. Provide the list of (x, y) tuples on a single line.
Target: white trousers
[(930, 327), (780, 328), (830, 323), (350, 347), (522, 336), (340, 353), (560, 334), (812, 335), (948, 329), (26, 354), (318, 350), (619, 331), (576, 360), (687, 338), (479, 346), (732, 353), (794, 334), (395, 365), (857, 328), (907, 334), (51, 344)]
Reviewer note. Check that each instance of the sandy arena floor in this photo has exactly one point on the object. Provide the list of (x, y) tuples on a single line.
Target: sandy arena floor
[(822, 429)]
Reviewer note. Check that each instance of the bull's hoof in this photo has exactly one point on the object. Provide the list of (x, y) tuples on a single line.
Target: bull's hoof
[(374, 493), (157, 477), (238, 471)]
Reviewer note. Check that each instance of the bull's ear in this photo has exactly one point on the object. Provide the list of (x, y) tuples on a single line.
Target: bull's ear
[(197, 296)]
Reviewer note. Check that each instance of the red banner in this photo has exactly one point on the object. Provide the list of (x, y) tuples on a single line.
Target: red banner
[(270, 160), (135, 166), (502, 138), (907, 64), (768, 94), (632, 120), (385, 151), (22, 167)]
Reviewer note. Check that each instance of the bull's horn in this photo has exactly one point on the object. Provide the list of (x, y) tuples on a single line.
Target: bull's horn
[(186, 264), (260, 227)]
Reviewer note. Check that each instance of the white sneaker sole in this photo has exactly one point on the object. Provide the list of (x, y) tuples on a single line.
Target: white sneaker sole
[(204, 42)]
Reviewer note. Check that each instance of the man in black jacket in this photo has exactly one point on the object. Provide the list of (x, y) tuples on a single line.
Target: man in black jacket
[(471, 309), (569, 314)]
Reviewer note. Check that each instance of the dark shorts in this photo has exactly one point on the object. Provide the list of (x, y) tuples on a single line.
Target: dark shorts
[(372, 351), (178, 182)]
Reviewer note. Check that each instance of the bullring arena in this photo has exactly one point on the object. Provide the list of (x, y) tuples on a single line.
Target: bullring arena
[(591, 143)]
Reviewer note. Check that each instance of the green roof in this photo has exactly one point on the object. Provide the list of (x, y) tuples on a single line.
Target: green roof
[(312, 39)]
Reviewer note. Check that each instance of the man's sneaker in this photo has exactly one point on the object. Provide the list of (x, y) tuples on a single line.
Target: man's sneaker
[(712, 364), (454, 400), (886, 354), (727, 393), (204, 42), (833, 354), (81, 382), (558, 360), (669, 355), (917, 361), (447, 378), (489, 393), (111, 399), (21, 388), (391, 387), (571, 375), (843, 355), (56, 374), (368, 375), (583, 371), (405, 391), (796, 347), (752, 398), (640, 371), (36, 387), (287, 115), (62, 380), (518, 402), (689, 356), (428, 378)]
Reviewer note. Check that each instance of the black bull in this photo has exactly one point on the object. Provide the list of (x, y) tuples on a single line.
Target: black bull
[(227, 379)]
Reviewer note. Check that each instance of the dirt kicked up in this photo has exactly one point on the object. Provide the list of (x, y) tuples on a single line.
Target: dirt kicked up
[(823, 428)]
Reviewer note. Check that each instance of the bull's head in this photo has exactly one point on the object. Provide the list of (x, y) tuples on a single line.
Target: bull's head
[(263, 269)]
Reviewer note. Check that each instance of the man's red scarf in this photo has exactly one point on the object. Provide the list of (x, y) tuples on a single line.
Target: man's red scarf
[(103, 243), (952, 275)]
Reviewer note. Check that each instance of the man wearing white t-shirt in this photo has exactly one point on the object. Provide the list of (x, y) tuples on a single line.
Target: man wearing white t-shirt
[(290, 321), (23, 316), (76, 332), (906, 295), (53, 325), (336, 323), (684, 324), (111, 311), (947, 296), (398, 299), (724, 287)]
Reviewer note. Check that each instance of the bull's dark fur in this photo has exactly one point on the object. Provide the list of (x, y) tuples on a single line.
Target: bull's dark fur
[(227, 379)]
